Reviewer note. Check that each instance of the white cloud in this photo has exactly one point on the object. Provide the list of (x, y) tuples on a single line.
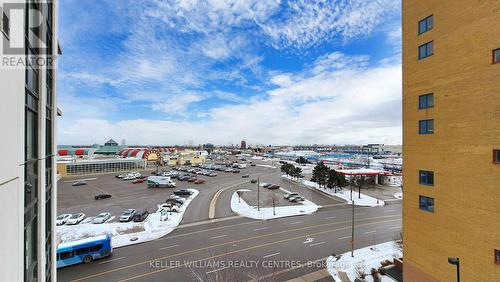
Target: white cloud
[(282, 80), (340, 105)]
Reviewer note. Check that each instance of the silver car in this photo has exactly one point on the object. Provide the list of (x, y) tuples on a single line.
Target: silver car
[(127, 215), (101, 218)]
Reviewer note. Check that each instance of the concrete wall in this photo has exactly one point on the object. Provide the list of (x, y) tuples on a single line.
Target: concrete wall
[(466, 113)]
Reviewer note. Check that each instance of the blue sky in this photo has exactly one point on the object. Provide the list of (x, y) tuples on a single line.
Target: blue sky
[(272, 72)]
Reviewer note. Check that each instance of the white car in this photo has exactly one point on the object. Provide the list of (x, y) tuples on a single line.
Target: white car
[(61, 219), (127, 215), (101, 218), (129, 177), (75, 218), (178, 198)]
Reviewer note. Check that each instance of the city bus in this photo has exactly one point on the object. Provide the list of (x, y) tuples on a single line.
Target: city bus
[(85, 250)]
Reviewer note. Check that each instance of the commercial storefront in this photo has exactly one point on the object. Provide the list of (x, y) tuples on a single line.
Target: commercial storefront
[(85, 167)]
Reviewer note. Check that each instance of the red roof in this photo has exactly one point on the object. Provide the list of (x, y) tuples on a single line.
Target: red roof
[(79, 152), (62, 152)]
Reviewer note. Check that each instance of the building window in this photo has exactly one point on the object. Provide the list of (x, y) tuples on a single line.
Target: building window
[(425, 24), (426, 203), (426, 177), (425, 50), (497, 256), (496, 156), (426, 101), (5, 25), (426, 126), (496, 56)]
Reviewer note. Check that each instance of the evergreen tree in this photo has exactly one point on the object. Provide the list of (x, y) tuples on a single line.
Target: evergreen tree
[(332, 179)]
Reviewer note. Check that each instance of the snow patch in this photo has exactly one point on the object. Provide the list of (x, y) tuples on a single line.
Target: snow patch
[(122, 232), (398, 195), (367, 258), (240, 207)]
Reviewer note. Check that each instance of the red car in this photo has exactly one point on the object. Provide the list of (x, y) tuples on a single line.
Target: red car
[(192, 179), (199, 181), (139, 180)]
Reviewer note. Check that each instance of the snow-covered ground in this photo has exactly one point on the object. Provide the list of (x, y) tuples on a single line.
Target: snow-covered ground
[(122, 232), (365, 259), (398, 195), (345, 194), (269, 166), (240, 207)]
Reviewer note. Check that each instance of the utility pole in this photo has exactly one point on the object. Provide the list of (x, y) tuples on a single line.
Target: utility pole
[(352, 231), (258, 193)]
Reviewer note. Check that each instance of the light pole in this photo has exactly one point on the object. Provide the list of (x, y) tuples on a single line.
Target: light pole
[(258, 193), (455, 261), (352, 231)]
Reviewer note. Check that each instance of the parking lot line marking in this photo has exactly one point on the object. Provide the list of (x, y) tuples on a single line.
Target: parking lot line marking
[(342, 238), (271, 255), (164, 248), (330, 217), (395, 227), (369, 232), (215, 270), (361, 213), (385, 217), (220, 236), (110, 260), (296, 222), (315, 244), (262, 228)]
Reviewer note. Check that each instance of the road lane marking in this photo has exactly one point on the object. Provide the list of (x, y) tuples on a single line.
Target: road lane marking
[(395, 227), (169, 247), (316, 244), (271, 255), (213, 202), (220, 236), (262, 228), (397, 218), (296, 222), (388, 210), (330, 217), (215, 270), (243, 250), (361, 213), (110, 260), (342, 238), (369, 232)]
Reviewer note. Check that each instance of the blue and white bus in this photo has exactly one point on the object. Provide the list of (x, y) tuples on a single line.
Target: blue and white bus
[(85, 250)]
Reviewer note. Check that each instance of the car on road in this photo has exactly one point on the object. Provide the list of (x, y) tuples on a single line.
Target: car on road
[(101, 218), (273, 187), (62, 218), (253, 181), (127, 215), (140, 216), (296, 199), (102, 196), (75, 218), (139, 180), (245, 176), (288, 196), (183, 192), (199, 181), (79, 183)]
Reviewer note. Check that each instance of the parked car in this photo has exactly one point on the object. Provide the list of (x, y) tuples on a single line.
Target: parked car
[(266, 185), (139, 180), (129, 177), (273, 187), (228, 170), (178, 198), (140, 216), (296, 199), (199, 181), (236, 171), (102, 196), (288, 196), (120, 176), (173, 202), (245, 176), (252, 164), (213, 174), (183, 192), (62, 218), (79, 183), (170, 208), (75, 218), (101, 218), (127, 215), (253, 181)]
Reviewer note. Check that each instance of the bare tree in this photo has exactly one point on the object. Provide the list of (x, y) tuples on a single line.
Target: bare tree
[(240, 194), (274, 200)]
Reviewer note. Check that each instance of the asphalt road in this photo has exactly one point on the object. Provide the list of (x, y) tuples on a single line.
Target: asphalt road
[(240, 249)]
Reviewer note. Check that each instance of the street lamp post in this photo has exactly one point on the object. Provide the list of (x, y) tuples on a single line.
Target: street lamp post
[(455, 261), (258, 193), (352, 231)]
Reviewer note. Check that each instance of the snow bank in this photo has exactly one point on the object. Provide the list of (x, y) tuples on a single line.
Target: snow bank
[(366, 258), (122, 232), (269, 166), (365, 200), (242, 208)]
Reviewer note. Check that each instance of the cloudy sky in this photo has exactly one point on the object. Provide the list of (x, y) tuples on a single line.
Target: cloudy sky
[(271, 72)]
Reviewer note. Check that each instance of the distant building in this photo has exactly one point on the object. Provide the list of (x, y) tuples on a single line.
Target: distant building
[(243, 144), (110, 148)]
